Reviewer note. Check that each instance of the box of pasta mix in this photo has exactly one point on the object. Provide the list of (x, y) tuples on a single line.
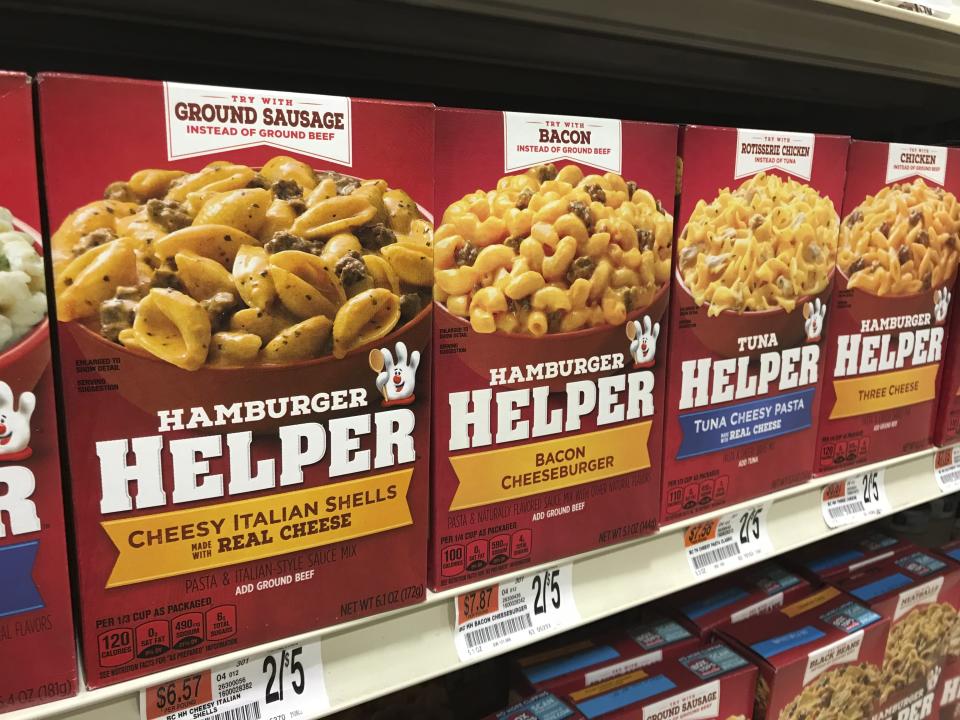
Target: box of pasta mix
[(36, 617), (946, 425), (819, 657), (948, 696), (920, 593), (243, 283), (551, 279), (897, 262), (847, 553), (756, 246)]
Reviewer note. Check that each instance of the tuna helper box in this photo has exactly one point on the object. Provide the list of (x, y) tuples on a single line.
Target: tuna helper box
[(896, 263), (36, 618), (843, 554), (755, 591), (711, 683), (753, 274), (819, 657), (243, 284), (948, 699), (920, 593), (552, 275)]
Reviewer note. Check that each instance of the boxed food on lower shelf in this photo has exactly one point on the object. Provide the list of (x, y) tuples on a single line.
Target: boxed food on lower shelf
[(551, 284), (755, 253), (36, 616), (846, 553), (948, 695), (896, 266), (713, 682), (920, 593), (754, 591), (819, 657), (243, 283), (542, 706), (588, 661)]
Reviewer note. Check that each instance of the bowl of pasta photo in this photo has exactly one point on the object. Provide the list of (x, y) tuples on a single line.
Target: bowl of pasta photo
[(234, 274), (902, 244), (548, 262), (24, 328), (758, 259)]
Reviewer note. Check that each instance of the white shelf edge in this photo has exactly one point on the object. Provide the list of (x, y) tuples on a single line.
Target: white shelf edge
[(371, 657)]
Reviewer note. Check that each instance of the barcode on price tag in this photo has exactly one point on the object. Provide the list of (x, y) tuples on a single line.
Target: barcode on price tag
[(855, 500), (284, 683), (717, 546), (513, 613), (947, 469)]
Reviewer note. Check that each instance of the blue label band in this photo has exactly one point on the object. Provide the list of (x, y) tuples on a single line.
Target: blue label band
[(782, 643), (828, 562), (881, 586), (627, 695), (555, 668), (699, 608), (734, 425), (20, 594)]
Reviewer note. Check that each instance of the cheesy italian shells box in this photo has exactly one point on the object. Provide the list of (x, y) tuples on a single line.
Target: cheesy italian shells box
[(243, 297), (551, 280), (755, 252), (36, 618), (896, 264)]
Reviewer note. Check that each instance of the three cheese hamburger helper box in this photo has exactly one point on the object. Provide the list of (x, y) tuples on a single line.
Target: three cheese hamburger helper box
[(896, 265), (552, 275), (243, 283), (36, 619), (755, 252)]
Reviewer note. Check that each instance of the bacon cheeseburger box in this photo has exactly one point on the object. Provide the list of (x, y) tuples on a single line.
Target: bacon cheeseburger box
[(754, 268), (552, 275), (243, 284), (819, 657), (847, 553), (36, 619), (920, 593), (896, 265), (948, 701)]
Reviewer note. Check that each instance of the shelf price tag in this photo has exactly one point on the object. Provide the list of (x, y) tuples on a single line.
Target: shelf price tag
[(715, 547), (947, 469), (491, 620), (284, 683), (854, 500)]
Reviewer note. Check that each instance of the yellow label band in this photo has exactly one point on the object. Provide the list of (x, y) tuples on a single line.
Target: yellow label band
[(873, 393), (186, 541), (515, 472)]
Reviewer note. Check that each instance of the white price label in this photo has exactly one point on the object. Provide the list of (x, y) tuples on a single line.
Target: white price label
[(515, 612), (855, 500), (286, 683), (717, 546), (947, 469)]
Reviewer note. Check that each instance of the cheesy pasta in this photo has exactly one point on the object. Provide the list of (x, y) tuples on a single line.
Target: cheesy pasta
[(234, 266), (552, 251), (764, 245), (23, 299), (902, 240)]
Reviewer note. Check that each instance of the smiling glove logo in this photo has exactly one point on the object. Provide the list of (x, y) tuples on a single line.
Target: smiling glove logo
[(15, 424), (396, 380)]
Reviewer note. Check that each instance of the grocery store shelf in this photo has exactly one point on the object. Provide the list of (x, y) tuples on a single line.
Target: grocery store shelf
[(369, 658)]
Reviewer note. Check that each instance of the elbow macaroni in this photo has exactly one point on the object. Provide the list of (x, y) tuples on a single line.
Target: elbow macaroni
[(901, 241), (551, 251), (230, 266), (764, 245)]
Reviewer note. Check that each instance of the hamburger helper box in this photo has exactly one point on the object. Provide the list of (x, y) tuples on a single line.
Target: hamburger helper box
[(36, 617), (553, 260), (948, 700), (542, 706), (755, 251), (589, 661), (819, 657), (243, 283), (846, 553), (946, 426), (896, 264), (733, 599), (712, 682)]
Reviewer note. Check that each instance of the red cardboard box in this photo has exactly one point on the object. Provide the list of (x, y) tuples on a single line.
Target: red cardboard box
[(949, 692), (920, 593), (754, 257), (552, 269), (896, 264), (946, 426), (847, 553), (819, 657), (36, 617), (712, 682), (755, 591), (244, 332)]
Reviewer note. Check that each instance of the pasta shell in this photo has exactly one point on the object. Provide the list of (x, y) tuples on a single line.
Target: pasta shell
[(234, 348), (102, 214), (413, 265), (153, 183), (303, 341), (305, 284), (325, 189), (401, 210), (283, 167), (217, 242), (202, 277), (339, 245), (244, 209), (334, 215), (251, 274), (363, 319), (173, 327), (215, 177), (384, 276), (280, 216), (373, 190), (265, 324), (94, 277)]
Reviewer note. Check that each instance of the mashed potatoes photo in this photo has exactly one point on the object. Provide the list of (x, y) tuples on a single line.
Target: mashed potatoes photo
[(23, 300)]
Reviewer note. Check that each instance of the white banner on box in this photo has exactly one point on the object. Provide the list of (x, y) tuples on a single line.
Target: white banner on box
[(533, 139), (759, 150), (927, 161)]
